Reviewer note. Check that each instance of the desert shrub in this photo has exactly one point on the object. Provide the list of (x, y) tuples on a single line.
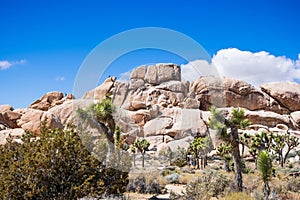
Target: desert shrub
[(245, 169), (137, 185), (186, 178), (291, 166), (179, 162), (258, 195), (206, 187), (172, 178), (293, 184), (166, 172), (141, 185), (55, 166), (179, 157)]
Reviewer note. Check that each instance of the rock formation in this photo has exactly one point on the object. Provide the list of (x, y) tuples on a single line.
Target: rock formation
[(156, 104)]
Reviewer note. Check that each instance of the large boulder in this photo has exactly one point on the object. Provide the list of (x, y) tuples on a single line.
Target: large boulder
[(66, 112), (53, 122), (160, 73), (287, 94), (50, 100), (174, 86), (295, 118), (9, 118), (31, 120), (186, 122), (137, 78), (158, 126), (190, 103), (181, 143), (267, 118), (5, 108), (138, 73), (141, 117), (229, 92), (119, 91), (14, 133), (101, 91)]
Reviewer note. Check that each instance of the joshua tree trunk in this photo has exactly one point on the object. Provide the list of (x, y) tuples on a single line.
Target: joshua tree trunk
[(143, 160), (281, 161), (226, 165), (134, 160), (243, 149), (197, 162), (237, 160), (266, 190)]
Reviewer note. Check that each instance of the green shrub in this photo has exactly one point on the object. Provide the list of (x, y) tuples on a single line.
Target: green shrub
[(179, 162), (56, 166)]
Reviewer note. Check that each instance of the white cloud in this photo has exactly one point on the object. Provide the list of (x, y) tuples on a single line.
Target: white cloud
[(194, 69), (60, 78), (255, 68), (125, 77), (4, 64)]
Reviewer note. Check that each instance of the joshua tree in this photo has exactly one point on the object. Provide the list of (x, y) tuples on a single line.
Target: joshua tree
[(142, 145), (259, 142), (104, 110), (102, 113), (224, 150), (199, 148), (280, 142), (264, 164), (291, 142), (231, 137)]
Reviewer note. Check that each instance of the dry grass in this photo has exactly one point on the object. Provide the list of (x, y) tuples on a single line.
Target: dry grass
[(237, 196), (150, 176)]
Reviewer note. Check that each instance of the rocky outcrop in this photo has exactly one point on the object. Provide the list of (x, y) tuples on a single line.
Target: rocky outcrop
[(295, 118), (155, 104), (157, 74), (228, 92), (158, 126), (5, 108), (8, 117), (66, 112), (287, 94), (31, 120), (100, 91), (267, 118), (50, 100)]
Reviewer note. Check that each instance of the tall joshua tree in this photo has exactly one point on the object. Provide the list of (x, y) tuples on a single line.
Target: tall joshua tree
[(264, 165), (142, 145), (227, 130)]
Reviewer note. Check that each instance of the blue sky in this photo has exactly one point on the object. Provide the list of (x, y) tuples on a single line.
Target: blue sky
[(43, 43)]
